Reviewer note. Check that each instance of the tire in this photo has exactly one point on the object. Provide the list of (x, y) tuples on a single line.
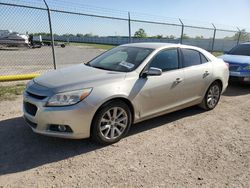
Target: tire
[(212, 96), (111, 122)]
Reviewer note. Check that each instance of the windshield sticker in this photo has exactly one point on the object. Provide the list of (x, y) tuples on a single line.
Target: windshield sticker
[(127, 64)]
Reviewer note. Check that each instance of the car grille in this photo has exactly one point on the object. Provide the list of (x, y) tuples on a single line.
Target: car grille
[(35, 96), (30, 108), (234, 67)]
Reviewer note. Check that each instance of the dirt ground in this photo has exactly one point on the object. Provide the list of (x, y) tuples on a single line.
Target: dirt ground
[(188, 148)]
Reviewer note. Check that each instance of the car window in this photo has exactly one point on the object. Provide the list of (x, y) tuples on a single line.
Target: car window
[(121, 58), (165, 60), (242, 49), (190, 57), (117, 57), (203, 58)]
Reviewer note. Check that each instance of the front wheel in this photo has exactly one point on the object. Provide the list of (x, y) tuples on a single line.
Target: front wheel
[(212, 96), (111, 123)]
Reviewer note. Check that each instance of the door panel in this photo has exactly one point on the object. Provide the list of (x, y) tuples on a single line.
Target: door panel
[(160, 93), (197, 79), (197, 74)]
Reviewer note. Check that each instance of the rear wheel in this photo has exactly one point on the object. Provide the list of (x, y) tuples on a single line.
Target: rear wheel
[(111, 123), (212, 96)]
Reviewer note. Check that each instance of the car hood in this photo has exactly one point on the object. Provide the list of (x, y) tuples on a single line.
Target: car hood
[(77, 77), (241, 59)]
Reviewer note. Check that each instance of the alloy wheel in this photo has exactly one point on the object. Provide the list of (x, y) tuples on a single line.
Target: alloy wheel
[(113, 123), (213, 96)]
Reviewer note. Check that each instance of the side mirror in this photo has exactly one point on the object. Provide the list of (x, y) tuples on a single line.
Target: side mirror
[(152, 71)]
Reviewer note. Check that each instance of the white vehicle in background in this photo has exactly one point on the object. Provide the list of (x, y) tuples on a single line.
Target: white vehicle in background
[(13, 39)]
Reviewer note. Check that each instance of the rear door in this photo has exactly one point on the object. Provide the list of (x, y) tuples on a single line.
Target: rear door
[(198, 74)]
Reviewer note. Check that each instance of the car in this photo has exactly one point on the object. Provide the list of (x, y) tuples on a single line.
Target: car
[(238, 59), (123, 86)]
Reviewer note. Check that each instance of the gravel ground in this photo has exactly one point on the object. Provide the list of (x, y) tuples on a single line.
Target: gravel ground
[(188, 148)]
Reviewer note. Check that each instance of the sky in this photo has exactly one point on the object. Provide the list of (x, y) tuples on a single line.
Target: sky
[(223, 13)]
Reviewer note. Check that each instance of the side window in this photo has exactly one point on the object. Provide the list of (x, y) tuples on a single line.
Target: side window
[(165, 60), (203, 58), (190, 57)]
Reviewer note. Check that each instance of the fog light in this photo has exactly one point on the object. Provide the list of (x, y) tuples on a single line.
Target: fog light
[(62, 128)]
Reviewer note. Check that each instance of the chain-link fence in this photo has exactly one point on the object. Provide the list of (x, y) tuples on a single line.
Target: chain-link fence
[(36, 36)]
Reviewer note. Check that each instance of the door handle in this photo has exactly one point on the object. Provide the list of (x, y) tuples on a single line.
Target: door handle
[(206, 74), (178, 80)]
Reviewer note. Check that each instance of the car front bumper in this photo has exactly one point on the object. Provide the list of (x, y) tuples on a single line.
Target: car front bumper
[(240, 76), (40, 117)]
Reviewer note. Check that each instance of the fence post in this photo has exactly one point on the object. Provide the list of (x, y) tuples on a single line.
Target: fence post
[(51, 35), (213, 37), (238, 40), (182, 30), (129, 27)]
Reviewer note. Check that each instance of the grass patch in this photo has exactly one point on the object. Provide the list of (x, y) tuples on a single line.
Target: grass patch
[(11, 92), (97, 46), (216, 54)]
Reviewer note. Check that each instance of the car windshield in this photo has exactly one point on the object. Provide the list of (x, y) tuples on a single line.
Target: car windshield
[(122, 59), (242, 49)]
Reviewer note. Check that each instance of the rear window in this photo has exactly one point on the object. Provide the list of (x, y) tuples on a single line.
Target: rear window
[(190, 57), (242, 49), (203, 58)]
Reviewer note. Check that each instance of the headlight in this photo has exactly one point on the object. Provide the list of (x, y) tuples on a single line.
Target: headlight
[(246, 67), (68, 98)]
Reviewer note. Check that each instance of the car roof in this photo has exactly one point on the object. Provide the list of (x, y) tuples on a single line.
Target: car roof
[(153, 45), (160, 45)]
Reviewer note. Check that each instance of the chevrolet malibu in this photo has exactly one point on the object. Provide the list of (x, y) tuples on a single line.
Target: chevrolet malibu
[(125, 85)]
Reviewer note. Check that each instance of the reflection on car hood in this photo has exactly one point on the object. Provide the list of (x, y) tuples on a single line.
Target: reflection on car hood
[(241, 59), (77, 77)]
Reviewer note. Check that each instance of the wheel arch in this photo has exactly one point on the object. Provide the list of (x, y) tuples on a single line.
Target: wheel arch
[(124, 100), (219, 81)]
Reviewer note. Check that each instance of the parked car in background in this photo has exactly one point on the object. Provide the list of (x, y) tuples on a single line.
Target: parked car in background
[(238, 59), (125, 85)]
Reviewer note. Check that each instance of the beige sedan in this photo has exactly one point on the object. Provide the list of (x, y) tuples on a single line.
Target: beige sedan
[(125, 85)]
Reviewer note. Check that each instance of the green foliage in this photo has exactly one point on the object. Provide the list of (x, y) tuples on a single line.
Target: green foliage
[(140, 33), (244, 36), (216, 54), (185, 36), (170, 37), (159, 36), (199, 37)]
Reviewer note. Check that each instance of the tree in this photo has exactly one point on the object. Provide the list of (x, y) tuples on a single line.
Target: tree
[(68, 35), (170, 37), (140, 33), (199, 37), (244, 36), (79, 35), (185, 36)]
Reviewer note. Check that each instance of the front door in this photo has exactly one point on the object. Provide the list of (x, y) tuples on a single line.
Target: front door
[(160, 93)]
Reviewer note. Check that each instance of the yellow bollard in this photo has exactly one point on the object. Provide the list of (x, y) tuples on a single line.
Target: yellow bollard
[(17, 77)]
